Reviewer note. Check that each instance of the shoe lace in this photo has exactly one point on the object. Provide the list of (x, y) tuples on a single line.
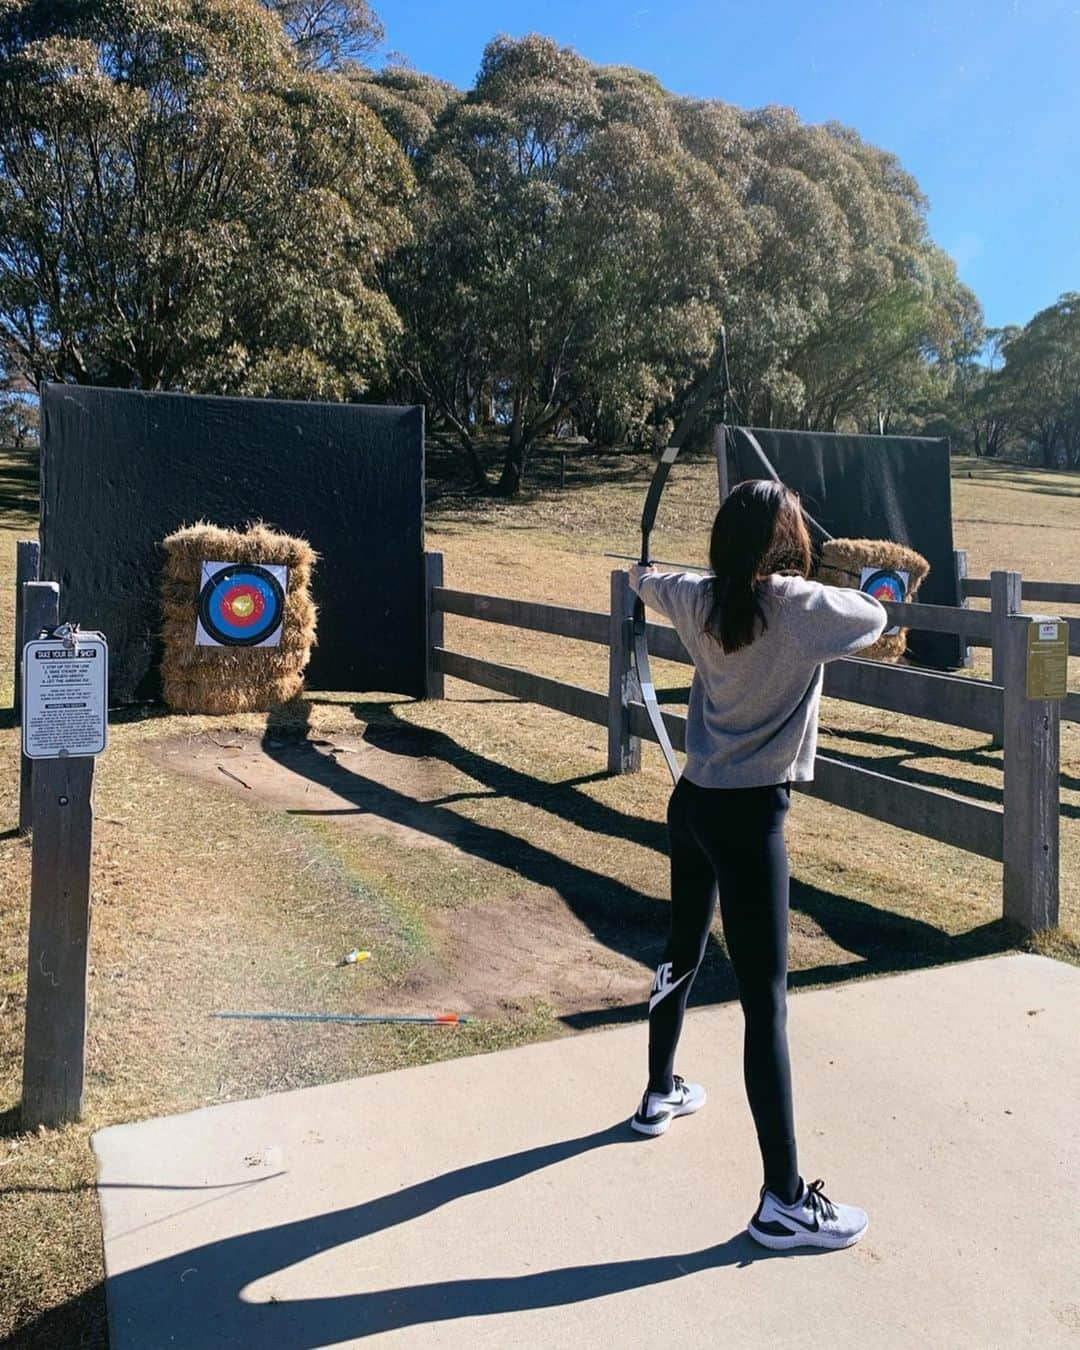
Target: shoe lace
[(818, 1202)]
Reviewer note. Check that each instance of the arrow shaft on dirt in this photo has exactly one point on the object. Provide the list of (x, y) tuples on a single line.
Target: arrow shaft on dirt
[(439, 1019)]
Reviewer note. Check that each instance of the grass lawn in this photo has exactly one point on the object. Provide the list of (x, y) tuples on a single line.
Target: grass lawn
[(474, 846)]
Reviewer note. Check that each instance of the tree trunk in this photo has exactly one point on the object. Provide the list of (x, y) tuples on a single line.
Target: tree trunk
[(480, 478), (513, 471)]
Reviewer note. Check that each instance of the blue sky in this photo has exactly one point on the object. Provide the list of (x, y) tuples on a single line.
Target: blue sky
[(981, 102)]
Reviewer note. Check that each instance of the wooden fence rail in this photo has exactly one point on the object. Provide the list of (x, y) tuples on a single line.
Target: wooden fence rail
[(1007, 592), (1022, 833), (571, 699), (971, 624), (1040, 592), (583, 625)]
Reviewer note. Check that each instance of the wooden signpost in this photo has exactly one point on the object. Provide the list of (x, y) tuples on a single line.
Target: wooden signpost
[(64, 726), (1033, 665)]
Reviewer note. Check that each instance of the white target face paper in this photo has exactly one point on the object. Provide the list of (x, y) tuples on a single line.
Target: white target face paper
[(241, 604), (885, 584)]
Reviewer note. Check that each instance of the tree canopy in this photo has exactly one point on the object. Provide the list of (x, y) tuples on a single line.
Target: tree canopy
[(550, 271), (181, 206), (220, 196), (1036, 390), (328, 34), (581, 234)]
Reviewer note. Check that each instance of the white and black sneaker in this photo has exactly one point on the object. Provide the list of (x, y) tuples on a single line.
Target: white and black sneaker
[(812, 1221), (658, 1110)]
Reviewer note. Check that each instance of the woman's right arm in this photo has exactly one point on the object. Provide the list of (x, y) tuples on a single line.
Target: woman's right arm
[(838, 621)]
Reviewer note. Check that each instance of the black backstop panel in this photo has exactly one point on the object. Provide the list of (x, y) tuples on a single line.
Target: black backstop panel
[(872, 487), (121, 469)]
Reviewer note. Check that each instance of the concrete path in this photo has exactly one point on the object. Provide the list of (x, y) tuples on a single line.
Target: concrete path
[(501, 1201)]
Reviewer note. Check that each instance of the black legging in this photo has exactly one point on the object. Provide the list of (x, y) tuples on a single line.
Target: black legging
[(733, 839)]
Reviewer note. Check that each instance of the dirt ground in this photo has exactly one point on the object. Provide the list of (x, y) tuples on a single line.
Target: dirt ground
[(474, 845), (484, 957)]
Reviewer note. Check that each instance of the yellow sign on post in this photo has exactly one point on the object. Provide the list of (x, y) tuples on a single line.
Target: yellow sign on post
[(1047, 658)]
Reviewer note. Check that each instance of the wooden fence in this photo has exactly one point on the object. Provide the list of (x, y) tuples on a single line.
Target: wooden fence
[(1007, 592), (1022, 834)]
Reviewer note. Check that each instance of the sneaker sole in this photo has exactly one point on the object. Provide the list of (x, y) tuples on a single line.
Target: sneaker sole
[(643, 1127), (830, 1242)]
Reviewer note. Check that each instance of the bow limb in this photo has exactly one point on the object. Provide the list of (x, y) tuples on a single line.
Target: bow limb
[(717, 374), (640, 650), (640, 644)]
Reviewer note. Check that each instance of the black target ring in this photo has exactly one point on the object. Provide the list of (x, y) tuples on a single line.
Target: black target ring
[(241, 605), (885, 584)]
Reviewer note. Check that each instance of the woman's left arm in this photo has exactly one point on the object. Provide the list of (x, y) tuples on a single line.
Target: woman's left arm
[(675, 595)]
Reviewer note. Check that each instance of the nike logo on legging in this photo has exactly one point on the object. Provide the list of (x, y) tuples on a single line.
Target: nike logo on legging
[(665, 984)]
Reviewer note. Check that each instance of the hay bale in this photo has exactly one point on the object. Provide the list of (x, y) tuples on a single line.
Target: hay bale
[(842, 563), (233, 679)]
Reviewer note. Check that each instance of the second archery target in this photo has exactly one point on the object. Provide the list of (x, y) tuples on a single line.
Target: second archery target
[(888, 571), (885, 584), (241, 604), (888, 585)]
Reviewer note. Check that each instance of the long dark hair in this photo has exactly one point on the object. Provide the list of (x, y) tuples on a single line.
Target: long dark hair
[(758, 530)]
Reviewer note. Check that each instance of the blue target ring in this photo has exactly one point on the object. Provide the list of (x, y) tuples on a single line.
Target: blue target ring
[(242, 605), (885, 585)]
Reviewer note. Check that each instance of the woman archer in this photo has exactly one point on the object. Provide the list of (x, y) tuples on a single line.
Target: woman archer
[(758, 631)]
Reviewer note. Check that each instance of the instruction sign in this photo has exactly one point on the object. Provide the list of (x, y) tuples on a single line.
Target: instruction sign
[(1047, 658), (65, 698)]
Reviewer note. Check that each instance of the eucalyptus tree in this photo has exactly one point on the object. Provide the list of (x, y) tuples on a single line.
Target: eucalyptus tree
[(570, 255), (408, 102), (182, 207), (977, 412), (18, 409), (328, 34), (1039, 383), (845, 311), (442, 357)]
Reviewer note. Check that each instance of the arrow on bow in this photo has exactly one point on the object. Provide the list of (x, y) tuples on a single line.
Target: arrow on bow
[(639, 647)]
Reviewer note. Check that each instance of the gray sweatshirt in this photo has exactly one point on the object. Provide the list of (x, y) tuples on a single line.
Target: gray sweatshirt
[(753, 715)]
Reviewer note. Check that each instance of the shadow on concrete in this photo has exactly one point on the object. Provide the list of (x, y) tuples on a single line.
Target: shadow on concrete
[(142, 1302)]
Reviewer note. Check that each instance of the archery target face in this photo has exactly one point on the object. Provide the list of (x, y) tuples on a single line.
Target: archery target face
[(241, 604), (886, 584)]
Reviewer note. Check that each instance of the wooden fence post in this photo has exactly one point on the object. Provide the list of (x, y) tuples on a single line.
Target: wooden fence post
[(624, 749), (58, 952), (40, 612), (960, 568), (1032, 786), (1006, 594), (433, 566), (27, 568)]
